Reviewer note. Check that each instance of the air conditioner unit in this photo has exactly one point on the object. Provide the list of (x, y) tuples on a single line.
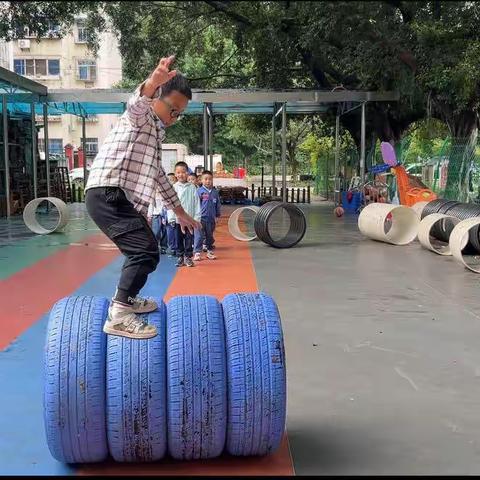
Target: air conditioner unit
[(24, 44)]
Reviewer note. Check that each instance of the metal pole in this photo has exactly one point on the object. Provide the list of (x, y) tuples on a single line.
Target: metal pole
[(337, 156), (47, 153), (362, 149), (84, 148), (34, 151), (284, 153), (210, 135), (205, 137), (274, 145), (5, 152)]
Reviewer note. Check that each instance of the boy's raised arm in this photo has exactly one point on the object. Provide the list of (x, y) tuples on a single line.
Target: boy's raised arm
[(140, 102)]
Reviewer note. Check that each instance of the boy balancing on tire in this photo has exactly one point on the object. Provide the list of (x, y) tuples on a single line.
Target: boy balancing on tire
[(121, 185)]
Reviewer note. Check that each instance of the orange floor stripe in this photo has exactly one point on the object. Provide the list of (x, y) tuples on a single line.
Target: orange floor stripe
[(233, 271), (28, 294)]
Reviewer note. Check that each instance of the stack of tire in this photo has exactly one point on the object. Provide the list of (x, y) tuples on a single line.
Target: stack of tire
[(213, 380), (442, 230)]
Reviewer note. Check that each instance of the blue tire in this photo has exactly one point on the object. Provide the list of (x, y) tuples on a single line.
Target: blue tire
[(74, 391), (256, 374), (196, 378), (136, 394)]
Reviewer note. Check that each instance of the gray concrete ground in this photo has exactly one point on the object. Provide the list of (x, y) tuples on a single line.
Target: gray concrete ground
[(383, 352)]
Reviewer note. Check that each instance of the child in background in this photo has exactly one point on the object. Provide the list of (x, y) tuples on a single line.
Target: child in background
[(170, 230), (210, 211), (192, 178), (157, 219), (187, 193), (171, 177)]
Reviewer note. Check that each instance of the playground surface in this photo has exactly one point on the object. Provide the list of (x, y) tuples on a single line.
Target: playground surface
[(381, 344)]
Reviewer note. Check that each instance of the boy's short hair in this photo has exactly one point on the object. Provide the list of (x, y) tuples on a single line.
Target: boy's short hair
[(207, 172), (181, 164), (178, 83), (171, 173), (192, 174)]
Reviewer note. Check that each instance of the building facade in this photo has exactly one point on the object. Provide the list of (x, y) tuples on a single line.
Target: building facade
[(6, 55), (68, 63)]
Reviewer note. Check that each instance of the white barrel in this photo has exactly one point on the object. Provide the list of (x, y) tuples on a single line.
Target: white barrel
[(395, 224), (427, 240), (459, 240), (233, 227), (418, 208), (31, 221)]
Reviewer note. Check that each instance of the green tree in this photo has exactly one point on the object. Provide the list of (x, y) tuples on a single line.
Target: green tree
[(427, 50)]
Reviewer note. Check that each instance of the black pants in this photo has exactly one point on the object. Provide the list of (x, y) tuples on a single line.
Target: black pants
[(129, 230), (184, 242)]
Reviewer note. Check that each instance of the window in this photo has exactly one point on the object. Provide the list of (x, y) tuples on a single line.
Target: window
[(54, 67), (55, 145), (19, 66), (82, 32), (53, 31), (41, 67), (91, 146), (37, 67), (87, 70)]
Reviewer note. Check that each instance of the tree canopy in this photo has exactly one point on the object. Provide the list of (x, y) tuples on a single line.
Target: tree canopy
[(426, 50)]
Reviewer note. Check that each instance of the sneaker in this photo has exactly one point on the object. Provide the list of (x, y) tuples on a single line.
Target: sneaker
[(204, 248), (211, 256), (197, 257), (179, 262), (189, 262), (144, 305), (123, 322)]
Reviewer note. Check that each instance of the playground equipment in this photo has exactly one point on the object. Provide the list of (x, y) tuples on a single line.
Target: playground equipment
[(395, 224), (425, 237), (280, 225), (233, 226), (271, 229), (410, 189), (459, 239), (212, 380), (462, 211), (29, 215)]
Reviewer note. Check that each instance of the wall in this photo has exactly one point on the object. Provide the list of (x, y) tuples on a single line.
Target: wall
[(5, 55)]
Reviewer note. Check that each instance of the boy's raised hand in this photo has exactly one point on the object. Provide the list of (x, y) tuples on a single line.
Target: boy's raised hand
[(161, 74)]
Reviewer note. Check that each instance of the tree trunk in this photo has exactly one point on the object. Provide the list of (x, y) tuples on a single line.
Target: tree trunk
[(464, 129), (293, 163)]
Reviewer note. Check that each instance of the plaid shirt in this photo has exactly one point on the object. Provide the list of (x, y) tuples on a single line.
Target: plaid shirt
[(130, 157)]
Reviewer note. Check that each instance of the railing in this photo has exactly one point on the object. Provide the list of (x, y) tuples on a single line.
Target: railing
[(293, 194)]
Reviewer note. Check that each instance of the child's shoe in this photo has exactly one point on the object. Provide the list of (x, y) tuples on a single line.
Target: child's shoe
[(189, 262), (179, 262), (144, 305), (197, 257), (123, 322), (210, 255)]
